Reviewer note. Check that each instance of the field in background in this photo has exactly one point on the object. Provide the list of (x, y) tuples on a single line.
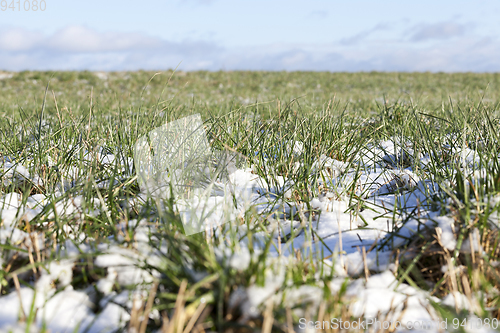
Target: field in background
[(71, 207), (223, 91)]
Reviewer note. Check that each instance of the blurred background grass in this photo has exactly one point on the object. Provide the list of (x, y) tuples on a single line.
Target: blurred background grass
[(222, 91)]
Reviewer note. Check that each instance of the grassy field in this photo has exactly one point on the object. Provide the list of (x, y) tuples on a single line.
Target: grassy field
[(373, 196)]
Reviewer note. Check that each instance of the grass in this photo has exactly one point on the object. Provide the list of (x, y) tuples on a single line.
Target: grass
[(60, 125)]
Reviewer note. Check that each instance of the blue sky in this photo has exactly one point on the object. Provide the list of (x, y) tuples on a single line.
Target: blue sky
[(319, 35)]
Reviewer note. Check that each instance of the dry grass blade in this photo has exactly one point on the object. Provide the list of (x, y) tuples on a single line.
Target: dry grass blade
[(176, 323), (267, 325), (149, 305), (194, 318), (18, 290)]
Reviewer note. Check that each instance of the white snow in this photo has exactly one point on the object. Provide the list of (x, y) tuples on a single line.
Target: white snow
[(122, 265), (340, 227), (447, 226)]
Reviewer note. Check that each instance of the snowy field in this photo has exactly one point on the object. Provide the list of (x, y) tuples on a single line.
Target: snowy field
[(345, 212)]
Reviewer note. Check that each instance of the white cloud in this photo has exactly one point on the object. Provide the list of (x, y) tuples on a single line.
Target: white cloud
[(17, 39), (78, 47), (469, 54), (82, 39)]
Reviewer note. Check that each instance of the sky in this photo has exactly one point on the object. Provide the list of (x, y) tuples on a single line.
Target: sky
[(318, 35)]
